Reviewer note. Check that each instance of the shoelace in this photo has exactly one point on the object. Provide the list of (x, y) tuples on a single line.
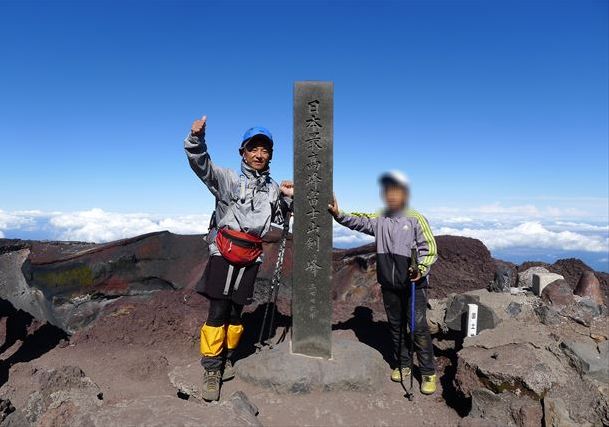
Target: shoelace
[(213, 381), (427, 378)]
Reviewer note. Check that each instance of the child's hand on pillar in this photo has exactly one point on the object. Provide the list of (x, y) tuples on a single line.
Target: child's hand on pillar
[(333, 207)]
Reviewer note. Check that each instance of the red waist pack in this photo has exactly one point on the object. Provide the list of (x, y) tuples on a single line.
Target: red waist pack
[(238, 248)]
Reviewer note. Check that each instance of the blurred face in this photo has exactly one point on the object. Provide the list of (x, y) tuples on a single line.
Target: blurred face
[(257, 155), (396, 198)]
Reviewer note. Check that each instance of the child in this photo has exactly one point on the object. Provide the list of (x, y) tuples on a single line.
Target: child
[(397, 230)]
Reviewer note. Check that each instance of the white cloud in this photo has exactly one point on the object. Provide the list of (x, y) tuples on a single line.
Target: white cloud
[(97, 225), (10, 220), (580, 226), (531, 234), (498, 211), (498, 229), (346, 237)]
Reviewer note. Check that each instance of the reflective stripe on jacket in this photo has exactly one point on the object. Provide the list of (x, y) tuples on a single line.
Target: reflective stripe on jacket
[(395, 236)]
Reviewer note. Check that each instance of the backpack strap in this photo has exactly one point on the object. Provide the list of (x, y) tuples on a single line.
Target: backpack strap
[(242, 184), (212, 221)]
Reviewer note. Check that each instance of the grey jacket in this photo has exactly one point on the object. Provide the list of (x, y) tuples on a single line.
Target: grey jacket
[(246, 202), (395, 236)]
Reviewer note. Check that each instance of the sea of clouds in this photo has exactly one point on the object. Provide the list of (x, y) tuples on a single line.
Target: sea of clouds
[(500, 228)]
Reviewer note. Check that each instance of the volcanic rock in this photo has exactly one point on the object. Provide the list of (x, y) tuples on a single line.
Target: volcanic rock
[(10, 416), (558, 294), (589, 358), (547, 315), (572, 269), (463, 264), (188, 380), (6, 408), (62, 395), (436, 312), (514, 309), (505, 409), (525, 278), (456, 313), (505, 277), (589, 286), (518, 368), (354, 367), (556, 413), (68, 285), (160, 411)]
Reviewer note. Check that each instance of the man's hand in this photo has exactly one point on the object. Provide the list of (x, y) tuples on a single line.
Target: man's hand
[(333, 207), (198, 126), (287, 188)]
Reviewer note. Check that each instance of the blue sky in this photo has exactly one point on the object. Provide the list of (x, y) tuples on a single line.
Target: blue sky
[(498, 110)]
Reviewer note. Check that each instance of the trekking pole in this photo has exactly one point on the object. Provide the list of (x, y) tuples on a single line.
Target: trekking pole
[(413, 266), (274, 289)]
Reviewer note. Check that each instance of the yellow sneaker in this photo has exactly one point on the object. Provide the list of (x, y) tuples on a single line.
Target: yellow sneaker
[(395, 374), (428, 385)]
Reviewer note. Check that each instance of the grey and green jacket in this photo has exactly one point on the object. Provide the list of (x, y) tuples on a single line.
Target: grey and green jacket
[(246, 202), (395, 235)]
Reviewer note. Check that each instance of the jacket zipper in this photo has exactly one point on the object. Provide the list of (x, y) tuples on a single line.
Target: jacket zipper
[(393, 273)]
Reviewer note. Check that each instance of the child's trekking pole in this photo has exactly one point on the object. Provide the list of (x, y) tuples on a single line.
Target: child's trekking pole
[(413, 267)]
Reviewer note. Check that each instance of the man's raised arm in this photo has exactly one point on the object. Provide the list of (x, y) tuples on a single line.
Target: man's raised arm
[(198, 157)]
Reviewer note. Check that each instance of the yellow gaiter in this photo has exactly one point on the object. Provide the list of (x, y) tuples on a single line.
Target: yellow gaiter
[(212, 340), (233, 335)]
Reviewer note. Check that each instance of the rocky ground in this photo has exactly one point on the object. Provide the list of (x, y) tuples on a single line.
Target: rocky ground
[(94, 335)]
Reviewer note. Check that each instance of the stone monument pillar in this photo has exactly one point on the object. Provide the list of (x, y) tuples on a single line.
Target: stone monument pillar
[(312, 230), (281, 368)]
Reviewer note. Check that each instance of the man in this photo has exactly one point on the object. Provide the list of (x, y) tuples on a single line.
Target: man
[(398, 230), (246, 204)]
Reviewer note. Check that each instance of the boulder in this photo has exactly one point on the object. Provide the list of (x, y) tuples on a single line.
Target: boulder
[(505, 409), (512, 332), (589, 358), (584, 311), (62, 395), (541, 280), (10, 416), (436, 311), (6, 408), (558, 294), (525, 278), (513, 357), (547, 315), (518, 368), (283, 372), (505, 277), (456, 313), (556, 414), (589, 286)]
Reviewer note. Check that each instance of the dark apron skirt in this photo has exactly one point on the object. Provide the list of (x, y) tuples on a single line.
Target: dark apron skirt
[(222, 280)]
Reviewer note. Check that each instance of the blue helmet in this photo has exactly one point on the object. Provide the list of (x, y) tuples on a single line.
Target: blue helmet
[(256, 133)]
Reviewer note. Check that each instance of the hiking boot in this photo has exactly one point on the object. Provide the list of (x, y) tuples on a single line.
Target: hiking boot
[(395, 374), (229, 371), (428, 385), (211, 385)]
